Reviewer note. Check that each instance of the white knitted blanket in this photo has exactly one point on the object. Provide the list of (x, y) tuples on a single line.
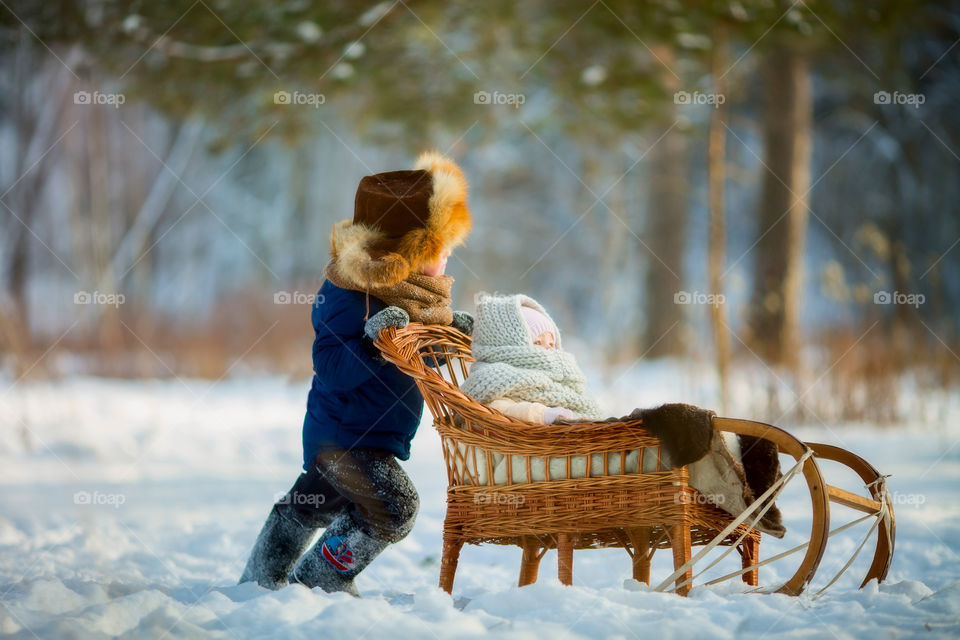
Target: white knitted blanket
[(508, 365)]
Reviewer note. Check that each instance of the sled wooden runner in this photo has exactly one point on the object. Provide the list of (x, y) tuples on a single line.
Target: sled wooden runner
[(625, 496), (879, 496)]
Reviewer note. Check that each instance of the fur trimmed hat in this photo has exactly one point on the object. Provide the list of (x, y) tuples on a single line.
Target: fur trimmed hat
[(402, 221)]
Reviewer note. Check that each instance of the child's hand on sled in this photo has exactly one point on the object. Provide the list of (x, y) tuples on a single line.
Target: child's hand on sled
[(552, 414), (389, 317)]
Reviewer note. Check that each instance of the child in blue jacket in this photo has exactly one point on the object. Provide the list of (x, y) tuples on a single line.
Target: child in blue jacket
[(387, 268)]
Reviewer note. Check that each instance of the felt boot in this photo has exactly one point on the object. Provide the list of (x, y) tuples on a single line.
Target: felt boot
[(343, 551), (280, 544)]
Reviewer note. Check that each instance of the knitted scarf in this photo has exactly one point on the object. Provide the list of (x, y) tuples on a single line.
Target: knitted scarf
[(508, 365), (529, 374), (426, 299)]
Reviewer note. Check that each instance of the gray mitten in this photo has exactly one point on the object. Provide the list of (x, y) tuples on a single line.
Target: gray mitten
[(389, 317), (463, 322)]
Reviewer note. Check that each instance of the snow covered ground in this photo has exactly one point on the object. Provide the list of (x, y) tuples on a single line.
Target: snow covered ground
[(128, 509)]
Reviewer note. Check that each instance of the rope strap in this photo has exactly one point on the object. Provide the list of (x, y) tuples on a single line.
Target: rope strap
[(883, 515), (786, 553), (771, 492)]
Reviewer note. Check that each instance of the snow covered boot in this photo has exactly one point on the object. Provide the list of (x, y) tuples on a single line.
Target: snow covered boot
[(278, 547), (342, 552)]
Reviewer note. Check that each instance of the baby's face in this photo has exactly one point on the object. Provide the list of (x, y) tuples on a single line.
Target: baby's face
[(545, 340)]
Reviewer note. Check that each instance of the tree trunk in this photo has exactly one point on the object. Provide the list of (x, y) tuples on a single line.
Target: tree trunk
[(35, 129), (783, 213), (102, 230), (716, 174), (666, 233), (18, 324)]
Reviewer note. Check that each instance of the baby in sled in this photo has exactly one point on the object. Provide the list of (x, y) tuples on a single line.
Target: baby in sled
[(521, 370)]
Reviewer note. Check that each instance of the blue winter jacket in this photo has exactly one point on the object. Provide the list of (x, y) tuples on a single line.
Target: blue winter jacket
[(356, 400)]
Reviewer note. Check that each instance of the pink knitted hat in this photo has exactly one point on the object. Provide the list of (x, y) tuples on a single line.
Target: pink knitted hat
[(537, 322)]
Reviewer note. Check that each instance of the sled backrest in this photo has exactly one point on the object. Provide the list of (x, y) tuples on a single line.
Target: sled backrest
[(438, 358)]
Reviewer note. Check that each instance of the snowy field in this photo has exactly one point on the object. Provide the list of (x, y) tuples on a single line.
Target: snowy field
[(128, 509)]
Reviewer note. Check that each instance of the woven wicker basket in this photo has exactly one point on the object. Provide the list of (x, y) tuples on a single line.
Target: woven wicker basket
[(640, 507)]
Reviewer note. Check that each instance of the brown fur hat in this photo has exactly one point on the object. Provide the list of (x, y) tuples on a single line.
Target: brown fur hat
[(402, 221)]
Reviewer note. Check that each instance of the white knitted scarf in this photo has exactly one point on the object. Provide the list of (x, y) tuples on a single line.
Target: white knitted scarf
[(508, 365)]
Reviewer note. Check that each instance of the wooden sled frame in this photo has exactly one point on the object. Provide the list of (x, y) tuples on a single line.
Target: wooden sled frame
[(640, 511)]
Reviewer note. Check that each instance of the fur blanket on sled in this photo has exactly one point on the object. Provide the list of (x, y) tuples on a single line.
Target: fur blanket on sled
[(729, 469)]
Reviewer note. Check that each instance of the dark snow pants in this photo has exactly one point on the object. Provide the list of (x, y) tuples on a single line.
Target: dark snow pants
[(366, 482)]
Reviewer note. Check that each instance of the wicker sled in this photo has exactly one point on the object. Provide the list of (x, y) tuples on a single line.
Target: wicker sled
[(626, 498)]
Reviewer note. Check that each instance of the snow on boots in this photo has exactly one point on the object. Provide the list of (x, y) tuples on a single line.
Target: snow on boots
[(342, 552), (363, 498), (280, 544)]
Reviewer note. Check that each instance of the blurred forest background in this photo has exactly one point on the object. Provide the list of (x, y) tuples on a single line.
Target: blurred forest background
[(752, 186)]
